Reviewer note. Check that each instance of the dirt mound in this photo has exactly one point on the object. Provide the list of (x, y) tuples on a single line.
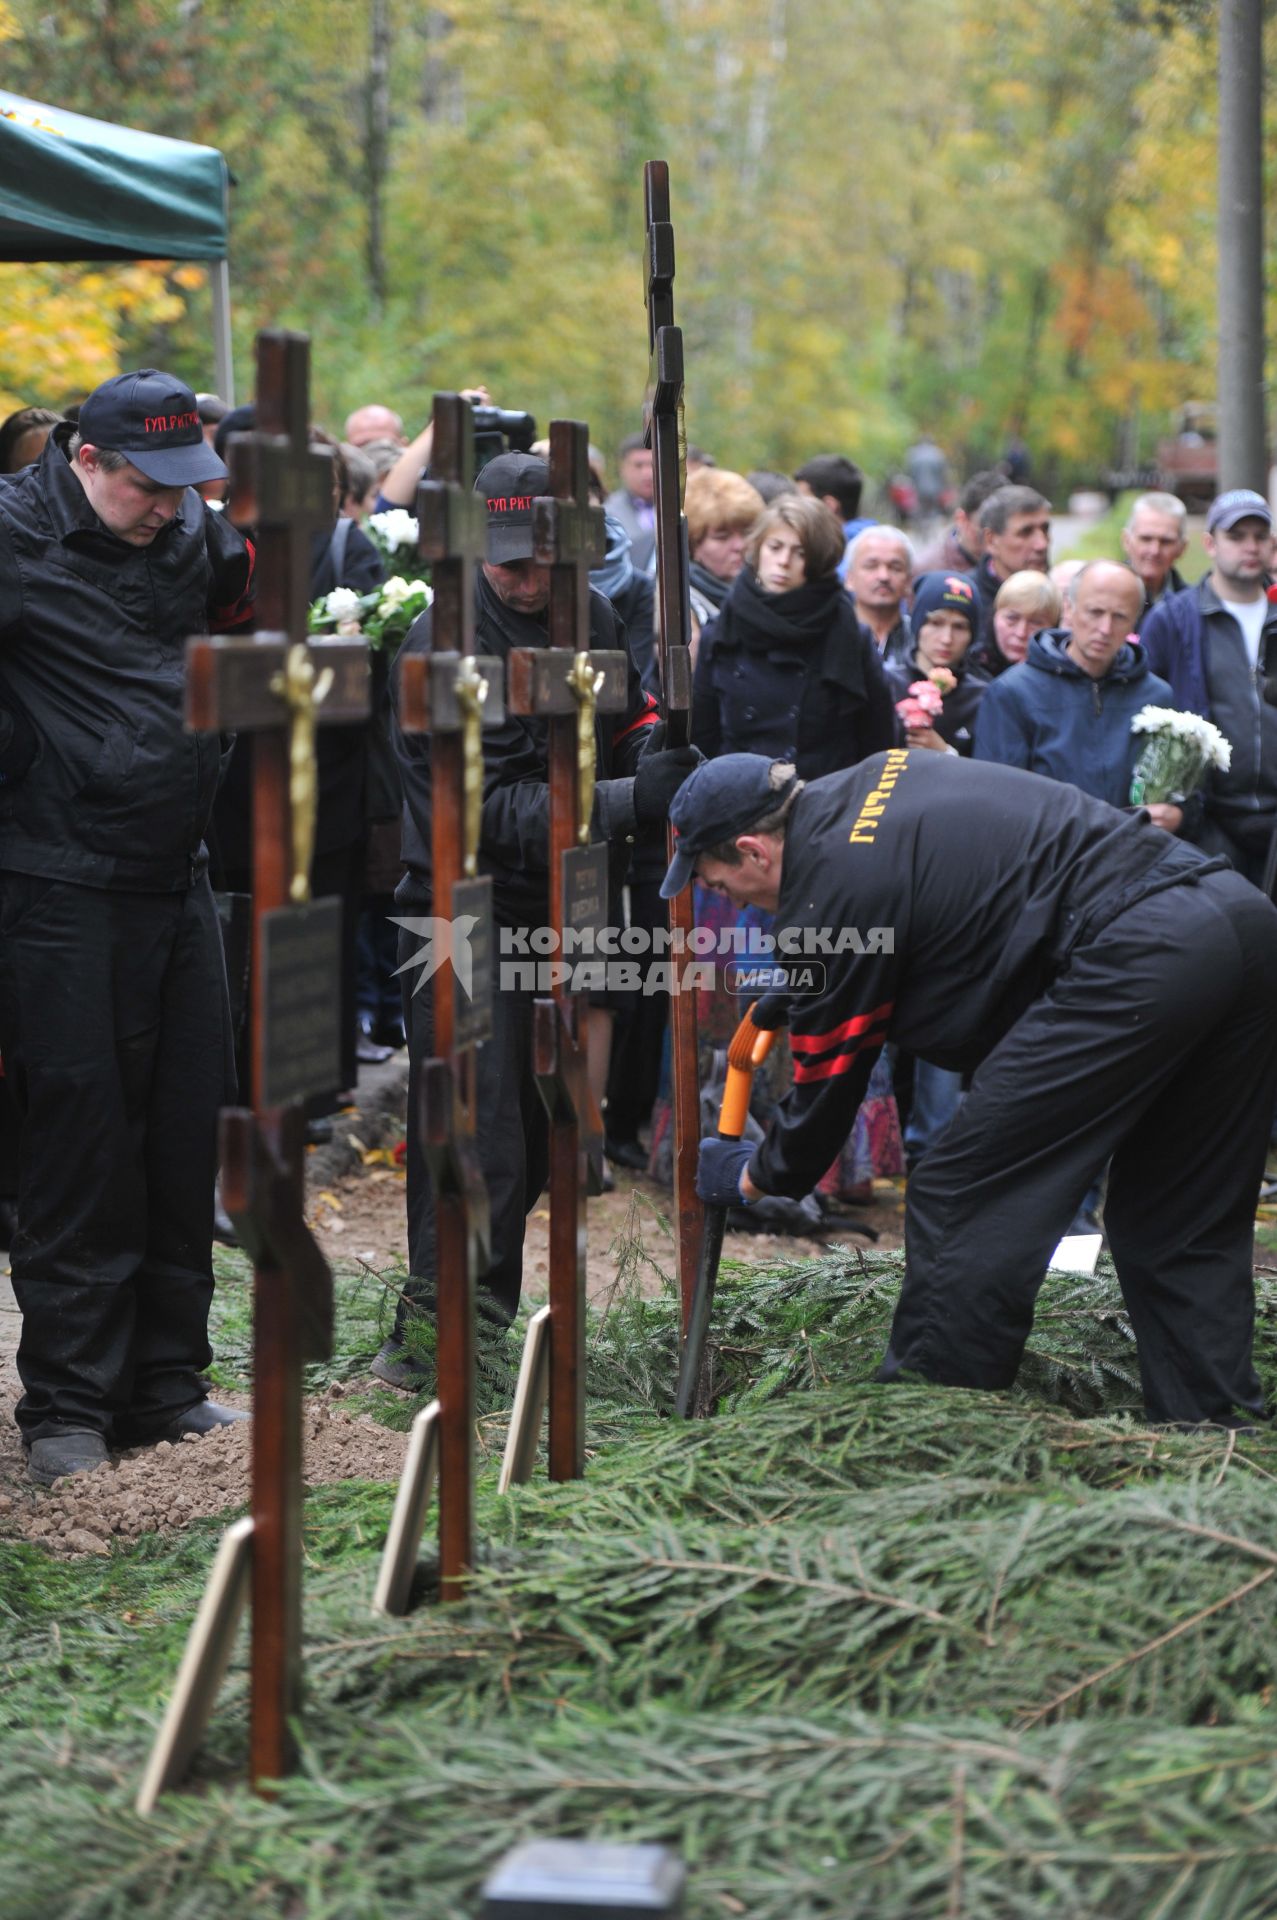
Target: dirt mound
[(154, 1489)]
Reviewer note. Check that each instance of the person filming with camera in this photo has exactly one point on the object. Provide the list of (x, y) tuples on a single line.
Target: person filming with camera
[(636, 779)]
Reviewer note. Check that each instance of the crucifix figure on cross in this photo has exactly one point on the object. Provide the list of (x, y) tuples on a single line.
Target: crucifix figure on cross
[(278, 688), (449, 695)]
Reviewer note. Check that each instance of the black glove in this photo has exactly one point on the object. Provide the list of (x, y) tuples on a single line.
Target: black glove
[(19, 744), (658, 777), (771, 1011), (718, 1171)]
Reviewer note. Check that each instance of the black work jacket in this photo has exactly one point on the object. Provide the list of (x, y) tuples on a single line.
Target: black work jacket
[(93, 636), (951, 893), (514, 835)]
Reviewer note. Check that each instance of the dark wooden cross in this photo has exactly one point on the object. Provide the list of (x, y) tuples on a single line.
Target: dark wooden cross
[(278, 687), (568, 685), (665, 435), (450, 694)]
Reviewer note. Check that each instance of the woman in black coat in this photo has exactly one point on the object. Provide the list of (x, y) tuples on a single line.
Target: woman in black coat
[(786, 668)]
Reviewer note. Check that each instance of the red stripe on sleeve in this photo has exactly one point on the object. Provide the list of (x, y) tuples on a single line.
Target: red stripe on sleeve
[(648, 718), (827, 1069), (821, 1042)]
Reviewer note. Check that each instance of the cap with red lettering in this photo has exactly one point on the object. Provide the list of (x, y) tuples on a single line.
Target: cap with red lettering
[(152, 419), (510, 484)]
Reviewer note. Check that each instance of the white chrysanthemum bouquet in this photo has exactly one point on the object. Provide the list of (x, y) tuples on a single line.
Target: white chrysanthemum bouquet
[(392, 533), (381, 617), (1178, 748)]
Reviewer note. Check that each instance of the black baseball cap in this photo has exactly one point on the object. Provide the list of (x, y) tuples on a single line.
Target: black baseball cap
[(718, 800), (510, 484), (154, 420)]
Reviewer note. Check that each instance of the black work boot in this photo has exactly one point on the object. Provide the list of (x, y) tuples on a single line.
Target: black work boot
[(75, 1450), (204, 1417)]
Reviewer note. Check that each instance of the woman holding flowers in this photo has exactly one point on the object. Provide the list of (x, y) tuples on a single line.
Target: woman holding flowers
[(937, 694)]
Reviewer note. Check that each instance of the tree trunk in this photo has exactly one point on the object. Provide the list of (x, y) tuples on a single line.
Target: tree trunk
[(1243, 448), (377, 148)]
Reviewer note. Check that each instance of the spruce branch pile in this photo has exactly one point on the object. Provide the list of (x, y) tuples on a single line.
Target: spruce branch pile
[(852, 1650)]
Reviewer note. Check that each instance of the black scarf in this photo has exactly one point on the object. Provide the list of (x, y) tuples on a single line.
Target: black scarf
[(708, 584), (817, 618)]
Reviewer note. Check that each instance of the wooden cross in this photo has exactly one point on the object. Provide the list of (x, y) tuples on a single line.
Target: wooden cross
[(665, 435), (568, 684), (279, 687), (451, 694)]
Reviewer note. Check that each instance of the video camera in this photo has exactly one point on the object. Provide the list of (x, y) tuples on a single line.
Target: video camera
[(496, 430)]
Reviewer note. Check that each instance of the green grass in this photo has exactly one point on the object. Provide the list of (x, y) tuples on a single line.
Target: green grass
[(852, 1650)]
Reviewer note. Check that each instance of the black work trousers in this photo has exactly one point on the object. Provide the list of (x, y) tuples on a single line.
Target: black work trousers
[(512, 1141), (1157, 1046), (115, 1031)]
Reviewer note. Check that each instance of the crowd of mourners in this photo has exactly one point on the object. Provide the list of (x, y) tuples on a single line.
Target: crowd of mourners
[(821, 636)]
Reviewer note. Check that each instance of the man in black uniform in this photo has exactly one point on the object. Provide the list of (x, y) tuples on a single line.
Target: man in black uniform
[(637, 778), (113, 1017), (1112, 991)]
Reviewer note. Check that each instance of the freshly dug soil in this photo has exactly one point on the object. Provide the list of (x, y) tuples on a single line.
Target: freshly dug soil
[(156, 1489)]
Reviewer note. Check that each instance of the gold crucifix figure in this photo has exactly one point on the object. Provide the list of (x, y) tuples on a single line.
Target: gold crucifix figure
[(585, 686), (471, 690), (304, 691)]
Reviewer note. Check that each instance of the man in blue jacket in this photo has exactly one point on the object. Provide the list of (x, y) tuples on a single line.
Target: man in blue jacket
[(1217, 645), (1066, 711)]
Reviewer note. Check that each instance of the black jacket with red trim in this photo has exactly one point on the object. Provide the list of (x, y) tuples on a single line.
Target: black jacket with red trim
[(966, 886), (514, 837), (93, 635)]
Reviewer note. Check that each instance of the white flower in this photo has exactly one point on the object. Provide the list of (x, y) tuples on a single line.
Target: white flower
[(342, 604), (394, 529), (394, 592)]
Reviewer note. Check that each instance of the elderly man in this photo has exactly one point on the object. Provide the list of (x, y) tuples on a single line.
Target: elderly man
[(1217, 645), (879, 569), (114, 1022), (1066, 710), (1109, 989), (1154, 537), (1016, 524), (368, 424)]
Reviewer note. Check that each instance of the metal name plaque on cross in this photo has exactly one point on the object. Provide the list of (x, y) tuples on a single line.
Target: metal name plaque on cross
[(301, 1002), (585, 893), (472, 1009)]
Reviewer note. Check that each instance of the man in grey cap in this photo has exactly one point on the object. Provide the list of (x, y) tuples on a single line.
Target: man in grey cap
[(114, 1024), (1217, 645)]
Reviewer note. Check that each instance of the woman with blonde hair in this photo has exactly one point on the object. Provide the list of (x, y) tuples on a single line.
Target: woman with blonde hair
[(1027, 603), (721, 507)]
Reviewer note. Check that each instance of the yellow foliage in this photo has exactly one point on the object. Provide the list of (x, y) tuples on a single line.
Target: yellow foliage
[(61, 327)]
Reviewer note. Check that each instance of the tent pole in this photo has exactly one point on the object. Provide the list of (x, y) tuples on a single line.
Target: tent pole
[(223, 364)]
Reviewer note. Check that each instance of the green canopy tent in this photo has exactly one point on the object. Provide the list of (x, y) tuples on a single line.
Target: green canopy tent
[(78, 189)]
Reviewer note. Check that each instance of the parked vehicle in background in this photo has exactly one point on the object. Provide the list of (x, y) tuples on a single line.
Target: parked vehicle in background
[(1187, 464)]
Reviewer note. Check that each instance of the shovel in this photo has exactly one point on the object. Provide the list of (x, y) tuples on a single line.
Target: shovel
[(749, 1048)]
